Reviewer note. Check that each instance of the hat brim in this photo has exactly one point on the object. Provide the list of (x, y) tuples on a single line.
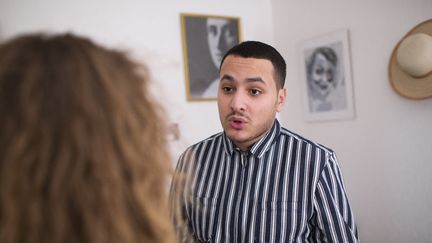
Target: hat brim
[(404, 84)]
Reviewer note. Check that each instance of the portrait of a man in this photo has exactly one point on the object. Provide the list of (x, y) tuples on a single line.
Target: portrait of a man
[(205, 41)]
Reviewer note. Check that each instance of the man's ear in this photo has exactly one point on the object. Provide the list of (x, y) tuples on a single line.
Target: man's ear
[(281, 99)]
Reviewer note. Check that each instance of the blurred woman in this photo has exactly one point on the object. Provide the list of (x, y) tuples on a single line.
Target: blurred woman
[(83, 153)]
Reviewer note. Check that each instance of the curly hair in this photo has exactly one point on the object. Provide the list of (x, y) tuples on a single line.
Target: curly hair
[(83, 150), (327, 52)]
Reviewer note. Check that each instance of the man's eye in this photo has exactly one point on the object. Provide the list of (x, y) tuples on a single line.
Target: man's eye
[(255, 92), (227, 89)]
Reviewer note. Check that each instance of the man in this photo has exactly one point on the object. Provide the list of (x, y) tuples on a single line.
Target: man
[(257, 181), (221, 36)]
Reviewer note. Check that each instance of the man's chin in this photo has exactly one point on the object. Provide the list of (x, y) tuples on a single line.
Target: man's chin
[(233, 134), (238, 137)]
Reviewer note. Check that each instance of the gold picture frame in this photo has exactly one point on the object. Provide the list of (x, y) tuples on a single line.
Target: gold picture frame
[(205, 39)]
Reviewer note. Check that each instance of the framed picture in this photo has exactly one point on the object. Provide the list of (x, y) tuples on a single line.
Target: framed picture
[(205, 40), (326, 77)]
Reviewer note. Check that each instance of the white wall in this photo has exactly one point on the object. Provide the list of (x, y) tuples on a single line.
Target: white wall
[(386, 151), (151, 31)]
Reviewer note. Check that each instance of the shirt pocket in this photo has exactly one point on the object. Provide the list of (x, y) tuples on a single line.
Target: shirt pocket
[(203, 218), (275, 218)]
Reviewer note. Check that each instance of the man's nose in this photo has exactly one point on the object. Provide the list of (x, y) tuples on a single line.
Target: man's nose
[(238, 102)]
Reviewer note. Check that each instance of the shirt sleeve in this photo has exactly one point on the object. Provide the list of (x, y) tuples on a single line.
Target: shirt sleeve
[(334, 218)]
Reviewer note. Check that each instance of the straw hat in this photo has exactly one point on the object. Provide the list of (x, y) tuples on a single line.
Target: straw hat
[(410, 67)]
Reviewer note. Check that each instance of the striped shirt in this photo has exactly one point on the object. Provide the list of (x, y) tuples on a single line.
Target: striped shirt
[(284, 189)]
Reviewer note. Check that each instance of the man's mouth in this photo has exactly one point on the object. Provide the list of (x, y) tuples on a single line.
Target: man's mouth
[(237, 123)]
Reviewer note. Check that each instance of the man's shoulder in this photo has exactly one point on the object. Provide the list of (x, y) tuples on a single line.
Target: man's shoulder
[(192, 152), (211, 139), (293, 136)]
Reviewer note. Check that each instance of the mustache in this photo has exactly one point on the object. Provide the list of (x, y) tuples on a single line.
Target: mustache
[(237, 115)]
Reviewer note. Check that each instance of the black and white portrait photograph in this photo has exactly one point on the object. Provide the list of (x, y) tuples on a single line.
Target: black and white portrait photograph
[(327, 85), (206, 38)]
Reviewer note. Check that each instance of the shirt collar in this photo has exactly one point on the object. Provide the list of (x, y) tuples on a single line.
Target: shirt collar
[(261, 146)]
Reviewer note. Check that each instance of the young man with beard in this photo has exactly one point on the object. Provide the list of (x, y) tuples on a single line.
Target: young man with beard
[(257, 181)]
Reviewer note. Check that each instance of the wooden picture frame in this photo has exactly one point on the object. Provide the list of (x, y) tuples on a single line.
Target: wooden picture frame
[(205, 39)]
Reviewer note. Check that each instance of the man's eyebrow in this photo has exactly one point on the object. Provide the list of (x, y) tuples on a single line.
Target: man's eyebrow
[(255, 79), (227, 77), (249, 80)]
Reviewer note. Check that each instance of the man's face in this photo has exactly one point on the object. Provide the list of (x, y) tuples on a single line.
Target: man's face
[(248, 99), (322, 77), (221, 37)]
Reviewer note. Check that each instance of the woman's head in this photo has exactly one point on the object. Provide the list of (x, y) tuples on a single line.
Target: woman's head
[(221, 36), (83, 154), (321, 71)]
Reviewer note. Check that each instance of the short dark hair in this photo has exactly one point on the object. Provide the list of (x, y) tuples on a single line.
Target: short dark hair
[(260, 50)]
